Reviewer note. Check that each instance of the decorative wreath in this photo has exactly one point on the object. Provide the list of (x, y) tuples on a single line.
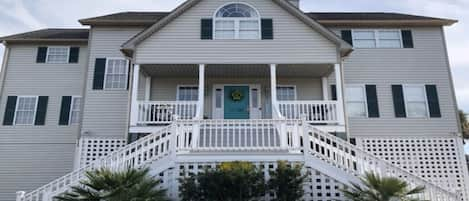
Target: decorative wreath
[(237, 95)]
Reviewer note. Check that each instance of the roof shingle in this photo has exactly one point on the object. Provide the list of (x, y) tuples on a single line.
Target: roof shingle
[(50, 35)]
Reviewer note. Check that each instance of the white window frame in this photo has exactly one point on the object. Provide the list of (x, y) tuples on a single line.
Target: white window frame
[(377, 39), (71, 110), (236, 21), (48, 54), (404, 88), (185, 85), (108, 59), (35, 110), (295, 93), (365, 101)]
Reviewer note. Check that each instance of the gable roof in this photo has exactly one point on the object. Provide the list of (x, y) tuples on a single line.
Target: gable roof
[(130, 45), (325, 18), (49, 35)]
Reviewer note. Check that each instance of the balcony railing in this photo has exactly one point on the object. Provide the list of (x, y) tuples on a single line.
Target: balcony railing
[(313, 111), (164, 112)]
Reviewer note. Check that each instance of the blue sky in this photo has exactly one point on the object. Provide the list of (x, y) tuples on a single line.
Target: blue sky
[(26, 15)]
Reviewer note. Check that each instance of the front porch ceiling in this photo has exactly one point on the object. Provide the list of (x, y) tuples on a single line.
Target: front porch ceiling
[(238, 70)]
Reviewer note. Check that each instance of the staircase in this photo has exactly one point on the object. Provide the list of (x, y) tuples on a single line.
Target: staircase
[(334, 156)]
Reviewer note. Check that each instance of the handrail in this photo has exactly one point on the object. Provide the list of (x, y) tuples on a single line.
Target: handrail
[(164, 112), (356, 161), (313, 111), (136, 154)]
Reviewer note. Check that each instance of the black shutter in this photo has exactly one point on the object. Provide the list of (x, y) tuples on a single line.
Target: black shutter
[(398, 99), (99, 71), (65, 110), (433, 102), (206, 31), (10, 111), (74, 55), (333, 92), (41, 110), (41, 55), (347, 36), (407, 40), (267, 26), (372, 101)]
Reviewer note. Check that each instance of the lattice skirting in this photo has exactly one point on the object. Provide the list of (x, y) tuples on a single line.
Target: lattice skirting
[(440, 160), (92, 148)]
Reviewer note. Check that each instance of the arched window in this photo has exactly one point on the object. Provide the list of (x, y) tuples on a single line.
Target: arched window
[(237, 21)]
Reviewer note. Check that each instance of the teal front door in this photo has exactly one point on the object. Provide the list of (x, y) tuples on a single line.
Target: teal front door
[(236, 102)]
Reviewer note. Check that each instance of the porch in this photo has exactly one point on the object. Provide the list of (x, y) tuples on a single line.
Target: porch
[(162, 93)]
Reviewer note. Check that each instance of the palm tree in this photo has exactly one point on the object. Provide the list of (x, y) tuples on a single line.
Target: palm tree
[(127, 185), (376, 188)]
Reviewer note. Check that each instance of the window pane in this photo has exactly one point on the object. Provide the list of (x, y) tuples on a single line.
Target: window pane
[(389, 35), (57, 55), (286, 93), (415, 94), (25, 110), (249, 25), (237, 10), (218, 98), (188, 93), (390, 43), (355, 94), (364, 35), (116, 74), (225, 34), (356, 109), (255, 98), (248, 34), (224, 25), (364, 43), (416, 109), (75, 110)]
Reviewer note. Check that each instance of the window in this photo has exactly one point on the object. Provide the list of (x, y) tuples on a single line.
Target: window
[(415, 100), (237, 21), (218, 98), (58, 55), (25, 110), (286, 93), (377, 39), (75, 110), (356, 101), (116, 75), (188, 93)]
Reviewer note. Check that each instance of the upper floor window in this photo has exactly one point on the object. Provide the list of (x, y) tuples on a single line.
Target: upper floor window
[(377, 38), (25, 110), (116, 74), (237, 21), (58, 55)]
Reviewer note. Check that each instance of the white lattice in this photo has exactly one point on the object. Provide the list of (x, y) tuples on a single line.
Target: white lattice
[(93, 148), (437, 159), (321, 187)]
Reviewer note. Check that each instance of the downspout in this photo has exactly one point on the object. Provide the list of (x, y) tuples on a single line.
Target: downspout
[(6, 56)]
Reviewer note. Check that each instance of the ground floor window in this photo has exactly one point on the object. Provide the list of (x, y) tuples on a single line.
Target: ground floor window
[(286, 93), (188, 93)]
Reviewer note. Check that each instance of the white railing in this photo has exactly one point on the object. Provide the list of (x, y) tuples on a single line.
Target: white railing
[(148, 149), (313, 111), (185, 136), (353, 160), (239, 135), (164, 112)]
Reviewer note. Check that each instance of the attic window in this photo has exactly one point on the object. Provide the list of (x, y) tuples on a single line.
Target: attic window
[(237, 21)]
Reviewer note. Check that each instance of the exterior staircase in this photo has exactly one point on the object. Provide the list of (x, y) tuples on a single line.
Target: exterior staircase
[(323, 152)]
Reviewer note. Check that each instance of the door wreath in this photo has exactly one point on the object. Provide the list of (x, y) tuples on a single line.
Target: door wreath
[(237, 95)]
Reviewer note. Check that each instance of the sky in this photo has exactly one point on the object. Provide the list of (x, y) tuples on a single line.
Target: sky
[(27, 15)]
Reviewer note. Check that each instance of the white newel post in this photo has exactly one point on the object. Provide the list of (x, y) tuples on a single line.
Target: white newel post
[(20, 195), (340, 97), (134, 101), (273, 93), (325, 88)]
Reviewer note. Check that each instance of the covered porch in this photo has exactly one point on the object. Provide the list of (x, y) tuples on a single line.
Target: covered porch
[(163, 93)]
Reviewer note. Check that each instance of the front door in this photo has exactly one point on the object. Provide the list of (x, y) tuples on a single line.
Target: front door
[(236, 102)]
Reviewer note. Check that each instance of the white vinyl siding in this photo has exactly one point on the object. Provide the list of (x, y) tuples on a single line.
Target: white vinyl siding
[(377, 38), (415, 100), (188, 93), (286, 93), (25, 110), (75, 110), (58, 55), (356, 101), (116, 76)]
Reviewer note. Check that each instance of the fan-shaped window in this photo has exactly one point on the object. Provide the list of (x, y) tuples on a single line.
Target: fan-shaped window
[(237, 21)]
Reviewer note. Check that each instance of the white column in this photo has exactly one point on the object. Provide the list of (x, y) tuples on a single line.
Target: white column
[(147, 87), (273, 93), (134, 101), (200, 104), (325, 88), (340, 97)]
